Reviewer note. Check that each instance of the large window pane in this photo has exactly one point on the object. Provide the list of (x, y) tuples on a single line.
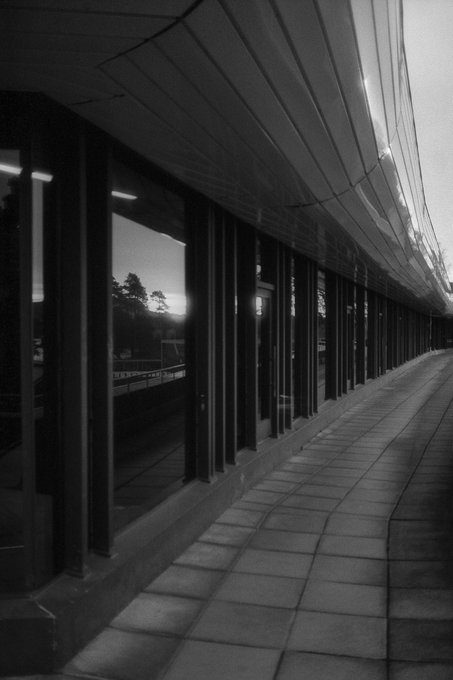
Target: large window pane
[(148, 343), (11, 499), (321, 292), (44, 380)]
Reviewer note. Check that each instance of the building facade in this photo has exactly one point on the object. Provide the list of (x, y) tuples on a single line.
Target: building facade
[(214, 239)]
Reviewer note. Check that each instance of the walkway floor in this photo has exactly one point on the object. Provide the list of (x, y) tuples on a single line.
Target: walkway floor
[(338, 565)]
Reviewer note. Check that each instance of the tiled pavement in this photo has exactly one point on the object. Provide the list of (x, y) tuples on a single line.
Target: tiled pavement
[(338, 565)]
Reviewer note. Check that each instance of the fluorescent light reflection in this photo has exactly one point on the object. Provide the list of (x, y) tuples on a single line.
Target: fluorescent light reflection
[(43, 176), (121, 194), (10, 169), (16, 171)]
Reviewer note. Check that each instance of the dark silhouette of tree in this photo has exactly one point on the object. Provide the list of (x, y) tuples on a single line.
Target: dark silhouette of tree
[(118, 295), (135, 294), (158, 297)]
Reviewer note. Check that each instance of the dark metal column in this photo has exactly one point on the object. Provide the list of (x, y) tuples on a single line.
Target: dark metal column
[(74, 349), (231, 382), (200, 437), (99, 238)]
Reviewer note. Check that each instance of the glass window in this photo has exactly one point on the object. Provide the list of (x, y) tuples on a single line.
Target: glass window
[(321, 292), (44, 379), (149, 309), (11, 496)]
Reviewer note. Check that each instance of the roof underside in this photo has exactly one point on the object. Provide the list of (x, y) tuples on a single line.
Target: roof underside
[(295, 116)]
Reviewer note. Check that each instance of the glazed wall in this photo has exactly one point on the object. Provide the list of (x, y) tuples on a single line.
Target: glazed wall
[(152, 337)]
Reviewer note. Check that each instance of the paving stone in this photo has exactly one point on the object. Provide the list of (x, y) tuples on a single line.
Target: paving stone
[(420, 671), (180, 580), (365, 508), (269, 539), (122, 655), (412, 603), (310, 502), (208, 555), (374, 495), (245, 624), (213, 661), (421, 574), (305, 666), (272, 591), (226, 534), (355, 525), (274, 563), (240, 517), (156, 613), (265, 497), (302, 522), (345, 598), (323, 491), (340, 634), (349, 570), (276, 485), (353, 546), (414, 640), (289, 476)]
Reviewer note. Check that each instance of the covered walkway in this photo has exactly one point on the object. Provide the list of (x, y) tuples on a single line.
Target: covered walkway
[(338, 565)]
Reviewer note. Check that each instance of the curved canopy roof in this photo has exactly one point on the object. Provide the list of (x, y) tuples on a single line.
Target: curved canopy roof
[(295, 116)]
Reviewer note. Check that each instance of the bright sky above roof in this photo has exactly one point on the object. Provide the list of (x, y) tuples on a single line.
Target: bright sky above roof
[(428, 37)]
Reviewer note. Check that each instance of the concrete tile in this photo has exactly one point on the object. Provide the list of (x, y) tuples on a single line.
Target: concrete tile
[(157, 613), (340, 634), (344, 474), (208, 555), (213, 661), (344, 464), (226, 534), (340, 524), (414, 640), (286, 476), (421, 574), (345, 598), (276, 485), (386, 475), (380, 484), (301, 521), (331, 479), (293, 565), (122, 655), (310, 502), (303, 666), (244, 624), (265, 497), (349, 570), (254, 507), (302, 468), (269, 539), (271, 591), (374, 495), (413, 603), (420, 671), (353, 546), (365, 508), (180, 580), (240, 517), (323, 491), (418, 541)]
